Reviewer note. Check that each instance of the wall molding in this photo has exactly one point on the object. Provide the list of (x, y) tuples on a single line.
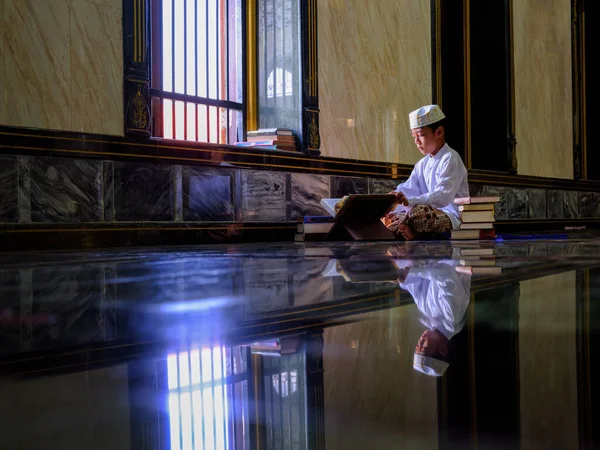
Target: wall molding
[(48, 143)]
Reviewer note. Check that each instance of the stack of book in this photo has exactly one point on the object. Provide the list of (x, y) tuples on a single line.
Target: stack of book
[(477, 218), (476, 260), (271, 139), (313, 228)]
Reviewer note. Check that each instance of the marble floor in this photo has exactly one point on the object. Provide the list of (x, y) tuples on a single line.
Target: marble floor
[(289, 346)]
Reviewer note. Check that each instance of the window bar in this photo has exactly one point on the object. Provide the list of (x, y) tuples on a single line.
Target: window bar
[(275, 101), (266, 69), (189, 355), (269, 394), (280, 402), (224, 385), (289, 408), (218, 66), (177, 356), (185, 44), (206, 21), (197, 71), (283, 52), (233, 403), (202, 415), (173, 64), (227, 56), (212, 386)]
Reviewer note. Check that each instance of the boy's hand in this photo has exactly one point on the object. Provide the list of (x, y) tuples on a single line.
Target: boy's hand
[(400, 198)]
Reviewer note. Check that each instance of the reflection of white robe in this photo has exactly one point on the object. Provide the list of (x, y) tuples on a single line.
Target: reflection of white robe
[(436, 181), (441, 294)]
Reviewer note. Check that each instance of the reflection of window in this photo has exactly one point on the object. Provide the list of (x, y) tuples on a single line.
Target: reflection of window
[(279, 83), (198, 409), (289, 383)]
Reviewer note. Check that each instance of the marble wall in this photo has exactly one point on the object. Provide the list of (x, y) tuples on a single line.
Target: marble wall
[(543, 87), (61, 65), (374, 68), (548, 362), (64, 190), (357, 377)]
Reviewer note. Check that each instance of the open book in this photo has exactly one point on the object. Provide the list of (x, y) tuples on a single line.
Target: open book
[(330, 205)]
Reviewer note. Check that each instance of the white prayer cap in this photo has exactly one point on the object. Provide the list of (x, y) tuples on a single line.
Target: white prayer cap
[(425, 115), (429, 366)]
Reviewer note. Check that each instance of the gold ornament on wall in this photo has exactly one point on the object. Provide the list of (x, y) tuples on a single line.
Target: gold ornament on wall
[(313, 133), (140, 112)]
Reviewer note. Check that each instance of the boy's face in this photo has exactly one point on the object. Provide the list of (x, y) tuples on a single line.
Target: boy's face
[(426, 140)]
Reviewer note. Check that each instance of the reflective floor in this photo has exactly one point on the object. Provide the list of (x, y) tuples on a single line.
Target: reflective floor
[(293, 346)]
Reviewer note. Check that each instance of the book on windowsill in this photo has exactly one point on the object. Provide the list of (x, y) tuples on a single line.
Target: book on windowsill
[(289, 140), (270, 132), (476, 200), (289, 148)]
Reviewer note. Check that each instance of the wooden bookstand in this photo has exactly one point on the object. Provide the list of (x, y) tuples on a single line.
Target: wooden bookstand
[(359, 219)]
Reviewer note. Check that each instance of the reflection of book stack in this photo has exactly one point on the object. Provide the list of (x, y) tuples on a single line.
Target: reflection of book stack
[(360, 270), (476, 260), (477, 218), (313, 228), (270, 139)]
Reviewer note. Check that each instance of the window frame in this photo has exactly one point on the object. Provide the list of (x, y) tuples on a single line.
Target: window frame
[(157, 95)]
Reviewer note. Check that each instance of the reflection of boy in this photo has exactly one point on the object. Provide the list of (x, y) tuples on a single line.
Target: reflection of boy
[(442, 296)]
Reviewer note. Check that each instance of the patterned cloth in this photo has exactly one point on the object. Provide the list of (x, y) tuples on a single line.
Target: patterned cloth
[(422, 219)]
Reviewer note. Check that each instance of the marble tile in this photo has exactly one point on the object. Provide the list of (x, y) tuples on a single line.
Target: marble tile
[(66, 190), (143, 192), (518, 200), (307, 191), (476, 190), (503, 205), (38, 63), (586, 204), (571, 205), (382, 186), (24, 189), (178, 192), (263, 196), (9, 187), (363, 78), (596, 205), (208, 194), (108, 190), (341, 186), (96, 52), (555, 204), (537, 204), (542, 58)]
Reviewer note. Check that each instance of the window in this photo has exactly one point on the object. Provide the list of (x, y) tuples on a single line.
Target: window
[(197, 83)]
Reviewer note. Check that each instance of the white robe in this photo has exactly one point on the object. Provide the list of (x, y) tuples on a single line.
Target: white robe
[(436, 181), (441, 294)]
